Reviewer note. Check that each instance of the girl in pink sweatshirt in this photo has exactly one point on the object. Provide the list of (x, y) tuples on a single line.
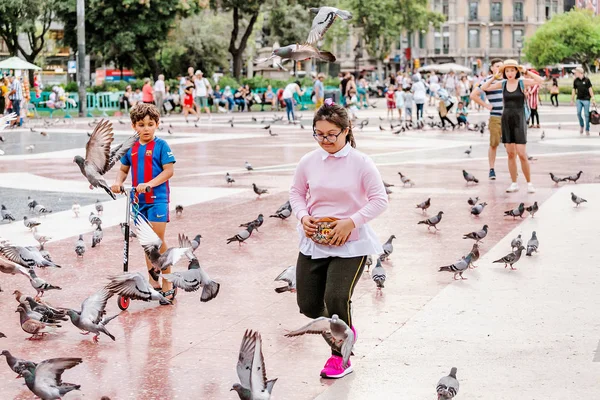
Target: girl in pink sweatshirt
[(334, 181)]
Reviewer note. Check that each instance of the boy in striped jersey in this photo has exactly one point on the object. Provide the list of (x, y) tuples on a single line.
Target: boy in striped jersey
[(495, 106)]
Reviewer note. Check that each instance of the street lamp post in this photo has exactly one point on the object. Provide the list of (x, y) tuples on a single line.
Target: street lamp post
[(488, 40)]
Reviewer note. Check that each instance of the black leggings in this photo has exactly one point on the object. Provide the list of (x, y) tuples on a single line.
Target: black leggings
[(554, 97), (534, 115), (324, 286)]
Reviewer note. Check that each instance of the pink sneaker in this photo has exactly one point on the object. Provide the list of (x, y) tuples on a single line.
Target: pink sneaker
[(334, 370)]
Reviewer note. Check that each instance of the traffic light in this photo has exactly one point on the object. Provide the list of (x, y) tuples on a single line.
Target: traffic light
[(417, 63)]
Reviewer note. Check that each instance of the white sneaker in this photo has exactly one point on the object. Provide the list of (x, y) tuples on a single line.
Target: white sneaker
[(514, 187), (530, 188)]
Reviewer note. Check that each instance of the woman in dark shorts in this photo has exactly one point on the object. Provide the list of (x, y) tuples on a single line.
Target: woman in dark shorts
[(514, 121)]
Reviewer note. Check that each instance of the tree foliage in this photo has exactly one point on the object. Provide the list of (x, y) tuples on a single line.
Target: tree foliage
[(574, 35)]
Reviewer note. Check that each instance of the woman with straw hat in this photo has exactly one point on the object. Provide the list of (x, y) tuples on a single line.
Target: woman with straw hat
[(514, 121)]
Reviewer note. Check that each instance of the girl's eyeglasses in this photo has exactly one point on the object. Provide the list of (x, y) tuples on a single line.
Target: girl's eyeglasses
[(331, 138)]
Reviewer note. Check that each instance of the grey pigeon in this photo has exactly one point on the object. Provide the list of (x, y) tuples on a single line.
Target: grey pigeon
[(424, 205), (335, 332), (284, 206), (474, 255), (258, 190), (31, 203), (251, 370), (178, 210), (241, 236), (195, 242), (289, 276), (574, 178), (229, 179), (134, 286), (192, 279), (99, 207), (458, 267), (478, 209), (80, 247), (447, 386), (469, 150), (368, 262), (38, 316), (433, 221), (387, 184), (532, 244), (284, 214), (298, 52), (325, 17), (388, 248), (6, 214), (405, 180), (30, 222), (388, 190), (472, 201), (511, 258), (532, 209), (41, 285), (469, 177), (94, 219), (37, 329), (41, 210), (577, 200), (477, 235), (378, 275), (556, 179), (257, 223), (99, 158), (42, 308), (45, 380), (2, 335), (91, 318), (28, 257), (97, 236), (516, 242), (16, 364), (45, 253), (517, 212), (543, 135), (248, 166)]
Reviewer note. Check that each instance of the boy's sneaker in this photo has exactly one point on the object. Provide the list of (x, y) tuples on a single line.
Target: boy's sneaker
[(530, 188), (492, 174), (334, 369), (514, 187)]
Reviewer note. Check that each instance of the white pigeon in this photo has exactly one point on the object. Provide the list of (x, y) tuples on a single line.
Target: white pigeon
[(41, 239), (251, 370), (325, 17)]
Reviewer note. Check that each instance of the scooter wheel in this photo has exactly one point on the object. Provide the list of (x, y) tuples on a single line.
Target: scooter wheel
[(123, 302)]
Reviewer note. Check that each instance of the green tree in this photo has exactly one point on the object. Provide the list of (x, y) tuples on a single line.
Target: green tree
[(574, 35)]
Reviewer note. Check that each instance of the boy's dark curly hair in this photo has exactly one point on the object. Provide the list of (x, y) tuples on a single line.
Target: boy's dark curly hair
[(141, 110)]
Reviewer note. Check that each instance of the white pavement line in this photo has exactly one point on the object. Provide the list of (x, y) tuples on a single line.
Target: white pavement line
[(524, 334)]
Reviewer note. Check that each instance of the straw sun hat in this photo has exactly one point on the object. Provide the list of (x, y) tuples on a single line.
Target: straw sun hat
[(511, 63)]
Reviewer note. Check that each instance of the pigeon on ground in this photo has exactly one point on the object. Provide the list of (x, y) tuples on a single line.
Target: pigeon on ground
[(387, 184), (468, 151), (433, 221), (6, 214), (229, 179), (31, 203), (517, 212), (178, 210), (241, 236), (192, 279), (92, 317), (76, 208), (381, 128), (388, 248), (28, 257), (556, 179), (264, 127), (478, 209), (30, 148), (80, 247), (447, 386), (543, 135), (30, 222), (16, 364), (134, 285), (325, 17), (477, 235), (577, 200), (248, 166), (36, 315), (42, 308), (424, 205), (251, 370), (516, 242), (94, 219), (532, 209), (99, 207), (474, 255), (272, 134), (532, 244), (35, 328), (469, 177), (41, 239), (573, 178), (258, 190), (378, 275), (99, 158), (472, 201), (388, 191), (289, 276), (41, 210), (45, 380), (511, 258), (363, 123), (195, 242), (405, 180), (335, 332), (284, 206), (257, 223), (284, 214), (458, 267), (45, 253), (97, 236), (41, 285)]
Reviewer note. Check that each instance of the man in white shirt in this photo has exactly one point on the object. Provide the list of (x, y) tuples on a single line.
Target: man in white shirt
[(201, 93), (450, 83), (159, 93)]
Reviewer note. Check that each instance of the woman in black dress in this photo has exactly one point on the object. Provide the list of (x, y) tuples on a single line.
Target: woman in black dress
[(514, 122)]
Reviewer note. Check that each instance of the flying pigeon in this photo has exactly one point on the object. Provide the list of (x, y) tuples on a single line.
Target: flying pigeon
[(195, 242), (469, 177), (258, 190), (192, 279), (99, 158), (378, 275), (229, 179), (517, 212), (388, 248), (248, 166), (325, 17), (45, 380), (424, 205), (91, 318), (532, 209), (178, 210), (6, 214), (573, 178), (251, 370), (433, 221), (405, 180), (458, 267), (41, 285), (289, 276), (298, 52), (35, 328), (28, 257), (80, 247), (447, 386), (134, 285), (472, 201), (12, 268), (577, 200), (241, 236), (335, 332), (257, 223), (30, 222), (511, 258), (478, 209), (97, 236)]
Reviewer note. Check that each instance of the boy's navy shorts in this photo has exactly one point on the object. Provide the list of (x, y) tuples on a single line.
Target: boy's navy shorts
[(155, 212)]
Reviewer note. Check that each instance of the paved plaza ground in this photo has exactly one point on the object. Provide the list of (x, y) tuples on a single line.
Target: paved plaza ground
[(531, 333)]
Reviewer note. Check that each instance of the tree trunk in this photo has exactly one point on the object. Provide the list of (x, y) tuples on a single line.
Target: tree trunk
[(238, 52), (237, 64)]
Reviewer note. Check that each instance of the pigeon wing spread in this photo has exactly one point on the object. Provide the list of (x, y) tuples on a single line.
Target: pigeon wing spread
[(92, 308), (97, 150), (48, 373)]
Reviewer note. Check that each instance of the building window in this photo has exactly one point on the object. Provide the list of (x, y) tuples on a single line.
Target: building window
[(474, 39), (446, 40), (473, 10), (496, 38), (496, 11), (517, 38), (518, 11), (422, 39), (437, 43), (551, 8), (445, 8)]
